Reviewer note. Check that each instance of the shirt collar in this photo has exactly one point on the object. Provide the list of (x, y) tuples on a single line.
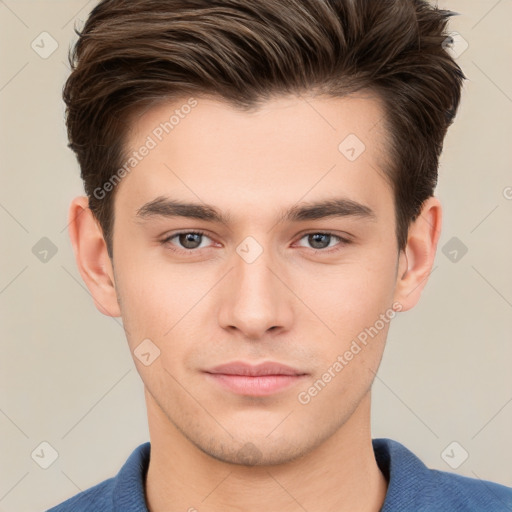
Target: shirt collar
[(401, 468)]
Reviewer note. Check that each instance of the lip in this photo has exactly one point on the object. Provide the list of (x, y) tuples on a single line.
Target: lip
[(256, 380), (255, 370)]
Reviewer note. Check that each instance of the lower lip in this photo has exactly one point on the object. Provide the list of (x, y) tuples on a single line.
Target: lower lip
[(262, 385)]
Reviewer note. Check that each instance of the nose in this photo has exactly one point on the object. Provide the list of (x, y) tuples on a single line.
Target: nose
[(256, 300)]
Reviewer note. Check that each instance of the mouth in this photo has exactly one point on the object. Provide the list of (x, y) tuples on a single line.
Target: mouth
[(255, 380)]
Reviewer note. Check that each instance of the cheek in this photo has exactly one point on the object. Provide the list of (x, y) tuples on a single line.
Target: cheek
[(350, 296), (158, 298), (352, 306), (148, 301), (347, 358), (161, 302), (156, 323)]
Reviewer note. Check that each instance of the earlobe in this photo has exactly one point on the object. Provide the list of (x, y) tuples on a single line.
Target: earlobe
[(92, 256), (415, 264)]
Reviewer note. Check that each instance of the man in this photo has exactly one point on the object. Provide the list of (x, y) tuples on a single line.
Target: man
[(259, 180)]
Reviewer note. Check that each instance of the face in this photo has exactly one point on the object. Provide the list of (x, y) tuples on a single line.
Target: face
[(255, 273)]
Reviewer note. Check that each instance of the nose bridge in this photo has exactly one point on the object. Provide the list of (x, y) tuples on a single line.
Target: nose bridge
[(257, 300)]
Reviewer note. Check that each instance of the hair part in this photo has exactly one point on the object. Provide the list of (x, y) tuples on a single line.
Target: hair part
[(132, 54)]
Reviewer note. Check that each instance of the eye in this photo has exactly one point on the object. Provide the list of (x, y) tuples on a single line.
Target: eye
[(188, 240), (322, 240)]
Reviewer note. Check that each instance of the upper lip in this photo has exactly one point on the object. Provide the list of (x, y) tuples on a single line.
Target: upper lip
[(267, 368)]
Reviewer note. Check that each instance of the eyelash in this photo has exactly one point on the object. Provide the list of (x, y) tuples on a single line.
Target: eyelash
[(166, 241)]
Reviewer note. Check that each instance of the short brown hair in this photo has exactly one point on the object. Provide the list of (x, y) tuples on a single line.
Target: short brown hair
[(132, 53)]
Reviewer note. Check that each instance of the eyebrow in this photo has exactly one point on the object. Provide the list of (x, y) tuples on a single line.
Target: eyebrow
[(339, 207)]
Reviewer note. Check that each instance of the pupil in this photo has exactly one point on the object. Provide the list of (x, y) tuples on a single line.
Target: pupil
[(317, 239), (187, 240), (191, 240)]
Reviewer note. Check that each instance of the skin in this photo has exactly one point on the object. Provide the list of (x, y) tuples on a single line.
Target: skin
[(211, 449)]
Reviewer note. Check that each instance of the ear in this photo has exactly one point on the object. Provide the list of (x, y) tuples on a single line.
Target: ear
[(415, 264), (92, 256)]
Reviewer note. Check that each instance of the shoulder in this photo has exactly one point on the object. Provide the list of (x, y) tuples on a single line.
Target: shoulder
[(124, 492), (465, 492), (98, 497), (413, 486)]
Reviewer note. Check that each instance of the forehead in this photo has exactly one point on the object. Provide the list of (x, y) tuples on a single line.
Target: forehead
[(287, 150)]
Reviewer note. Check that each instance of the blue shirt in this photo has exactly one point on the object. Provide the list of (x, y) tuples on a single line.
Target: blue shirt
[(412, 487)]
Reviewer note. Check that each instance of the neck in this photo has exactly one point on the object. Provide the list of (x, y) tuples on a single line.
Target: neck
[(339, 475)]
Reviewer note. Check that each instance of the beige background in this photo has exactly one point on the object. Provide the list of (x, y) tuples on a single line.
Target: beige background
[(66, 376)]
